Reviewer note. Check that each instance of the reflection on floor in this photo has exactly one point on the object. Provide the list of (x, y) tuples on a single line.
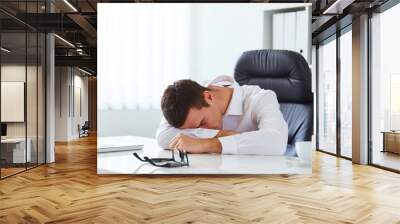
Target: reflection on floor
[(347, 152), (387, 159), (10, 169)]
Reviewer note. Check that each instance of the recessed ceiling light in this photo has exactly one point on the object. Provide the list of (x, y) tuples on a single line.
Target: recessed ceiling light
[(338, 6), (84, 71), (70, 5), (5, 50), (64, 40)]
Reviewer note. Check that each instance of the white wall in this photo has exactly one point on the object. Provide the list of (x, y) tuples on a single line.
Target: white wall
[(129, 122), (15, 72), (219, 37), (67, 115), (61, 103), (222, 32)]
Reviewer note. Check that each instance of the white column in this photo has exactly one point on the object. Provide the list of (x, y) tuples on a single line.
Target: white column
[(50, 99), (360, 90), (50, 92)]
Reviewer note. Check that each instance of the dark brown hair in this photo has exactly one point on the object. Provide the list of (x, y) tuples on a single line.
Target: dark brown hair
[(179, 98)]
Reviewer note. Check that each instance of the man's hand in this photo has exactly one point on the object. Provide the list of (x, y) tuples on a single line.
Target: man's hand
[(195, 145)]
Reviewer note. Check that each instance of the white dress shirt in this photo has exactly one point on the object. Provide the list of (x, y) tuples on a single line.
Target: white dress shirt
[(252, 111)]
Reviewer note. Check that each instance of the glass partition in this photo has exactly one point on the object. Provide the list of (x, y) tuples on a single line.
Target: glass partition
[(327, 97), (31, 100), (22, 77), (14, 153)]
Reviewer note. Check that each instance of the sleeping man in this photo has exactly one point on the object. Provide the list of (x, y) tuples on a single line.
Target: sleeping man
[(221, 117)]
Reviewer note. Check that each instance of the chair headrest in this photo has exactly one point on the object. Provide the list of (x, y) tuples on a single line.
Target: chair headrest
[(285, 72)]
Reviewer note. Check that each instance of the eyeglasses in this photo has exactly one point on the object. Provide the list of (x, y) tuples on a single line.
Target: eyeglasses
[(167, 162)]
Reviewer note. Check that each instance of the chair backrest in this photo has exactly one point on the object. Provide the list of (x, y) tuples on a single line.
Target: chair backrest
[(86, 125), (286, 73)]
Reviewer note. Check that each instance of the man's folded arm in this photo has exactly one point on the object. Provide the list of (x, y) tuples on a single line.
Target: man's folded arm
[(270, 139), (166, 132)]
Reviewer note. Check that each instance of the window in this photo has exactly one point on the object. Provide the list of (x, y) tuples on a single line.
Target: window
[(327, 97), (346, 94), (335, 74), (154, 53), (385, 88), (394, 101)]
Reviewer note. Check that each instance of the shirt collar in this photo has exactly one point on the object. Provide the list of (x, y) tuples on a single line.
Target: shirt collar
[(235, 106)]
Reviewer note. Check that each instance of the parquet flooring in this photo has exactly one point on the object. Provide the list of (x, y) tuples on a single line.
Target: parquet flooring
[(10, 171), (70, 191)]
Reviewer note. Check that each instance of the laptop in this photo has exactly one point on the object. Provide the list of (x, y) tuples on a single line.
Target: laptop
[(120, 144), (114, 148)]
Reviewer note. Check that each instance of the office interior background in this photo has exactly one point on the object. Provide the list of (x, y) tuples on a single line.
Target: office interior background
[(48, 81), (48, 87), (48, 76)]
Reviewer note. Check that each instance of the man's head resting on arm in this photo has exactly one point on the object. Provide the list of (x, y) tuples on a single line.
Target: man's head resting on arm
[(186, 104)]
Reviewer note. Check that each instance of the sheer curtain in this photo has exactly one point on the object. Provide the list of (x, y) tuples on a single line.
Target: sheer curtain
[(142, 49)]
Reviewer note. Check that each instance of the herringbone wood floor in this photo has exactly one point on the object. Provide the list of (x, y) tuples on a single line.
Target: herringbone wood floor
[(70, 191)]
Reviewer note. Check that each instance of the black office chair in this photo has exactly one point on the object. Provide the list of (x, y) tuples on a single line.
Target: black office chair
[(288, 75), (84, 129)]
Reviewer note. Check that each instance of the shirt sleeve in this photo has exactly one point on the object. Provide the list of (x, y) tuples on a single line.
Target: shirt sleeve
[(166, 132), (271, 136)]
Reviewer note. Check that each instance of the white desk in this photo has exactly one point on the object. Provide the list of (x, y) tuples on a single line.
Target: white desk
[(18, 151), (126, 163)]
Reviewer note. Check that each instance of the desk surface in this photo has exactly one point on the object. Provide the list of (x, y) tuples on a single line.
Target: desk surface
[(390, 132), (125, 163), (14, 140)]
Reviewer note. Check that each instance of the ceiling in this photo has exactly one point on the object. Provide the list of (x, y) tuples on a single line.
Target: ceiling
[(76, 21)]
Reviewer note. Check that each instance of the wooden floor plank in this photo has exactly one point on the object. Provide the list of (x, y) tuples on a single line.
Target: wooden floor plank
[(70, 191)]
